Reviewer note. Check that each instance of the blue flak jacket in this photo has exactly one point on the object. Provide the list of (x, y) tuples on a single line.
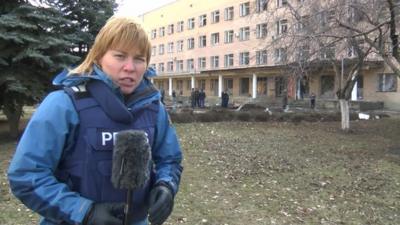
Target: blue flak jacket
[(63, 161)]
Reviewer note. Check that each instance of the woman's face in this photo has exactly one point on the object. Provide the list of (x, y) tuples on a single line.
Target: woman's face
[(125, 69)]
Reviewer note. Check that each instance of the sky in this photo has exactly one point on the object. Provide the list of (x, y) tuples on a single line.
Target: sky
[(136, 8)]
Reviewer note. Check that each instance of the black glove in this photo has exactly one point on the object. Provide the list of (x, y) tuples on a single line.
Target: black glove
[(104, 214), (161, 204)]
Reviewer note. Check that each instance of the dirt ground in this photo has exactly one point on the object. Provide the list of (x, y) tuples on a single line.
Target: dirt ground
[(260, 173)]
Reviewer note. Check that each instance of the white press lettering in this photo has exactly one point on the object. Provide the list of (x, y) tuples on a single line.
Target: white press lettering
[(106, 136)]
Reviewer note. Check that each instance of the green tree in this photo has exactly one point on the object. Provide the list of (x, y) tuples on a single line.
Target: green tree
[(32, 48), (87, 18)]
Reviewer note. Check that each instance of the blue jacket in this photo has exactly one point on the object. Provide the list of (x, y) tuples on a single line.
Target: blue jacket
[(51, 133)]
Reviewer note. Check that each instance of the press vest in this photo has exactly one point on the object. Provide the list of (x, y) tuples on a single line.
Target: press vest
[(86, 169)]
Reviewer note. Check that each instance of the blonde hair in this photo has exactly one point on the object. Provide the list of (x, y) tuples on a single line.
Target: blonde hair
[(118, 33)]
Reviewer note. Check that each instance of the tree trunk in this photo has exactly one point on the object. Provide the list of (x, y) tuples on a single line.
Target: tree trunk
[(392, 63), (13, 117), (345, 113)]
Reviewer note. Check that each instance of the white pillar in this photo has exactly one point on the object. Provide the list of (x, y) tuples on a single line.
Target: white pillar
[(152, 80), (170, 86), (354, 92), (193, 84), (254, 86), (220, 85)]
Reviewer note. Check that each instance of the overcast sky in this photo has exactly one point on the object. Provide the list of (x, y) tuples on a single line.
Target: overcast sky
[(136, 8)]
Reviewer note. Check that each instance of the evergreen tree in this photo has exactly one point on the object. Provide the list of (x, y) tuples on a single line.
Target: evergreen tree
[(32, 48), (87, 18)]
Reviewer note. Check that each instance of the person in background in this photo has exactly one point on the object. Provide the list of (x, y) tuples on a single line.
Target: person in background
[(202, 97), (162, 95), (312, 100), (196, 98), (193, 98), (62, 165)]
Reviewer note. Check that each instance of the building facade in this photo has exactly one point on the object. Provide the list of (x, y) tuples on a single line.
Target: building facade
[(230, 45)]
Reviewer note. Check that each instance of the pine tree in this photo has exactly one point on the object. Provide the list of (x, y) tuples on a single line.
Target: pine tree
[(87, 18), (32, 48)]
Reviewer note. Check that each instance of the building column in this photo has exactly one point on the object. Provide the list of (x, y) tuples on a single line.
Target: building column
[(192, 79), (254, 94), (220, 85), (354, 92), (152, 80), (170, 86)]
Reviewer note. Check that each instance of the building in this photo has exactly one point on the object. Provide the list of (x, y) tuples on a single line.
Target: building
[(231, 45)]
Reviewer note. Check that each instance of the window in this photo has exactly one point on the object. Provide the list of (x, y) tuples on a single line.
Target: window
[(170, 66), (228, 60), (281, 3), (202, 63), (202, 20), (179, 46), (244, 58), (280, 86), (202, 84), (190, 64), (262, 86), (228, 13), (244, 86), (261, 5), (190, 23), (190, 43), (244, 33), (214, 39), (214, 86), (153, 50), (179, 85), (281, 27), (214, 61), (170, 47), (354, 14), (261, 57), (228, 36), (170, 29), (328, 52), (179, 65), (261, 30), (162, 31), (327, 86), (351, 52), (161, 67), (325, 17), (280, 55), (228, 84), (303, 53), (153, 33), (387, 82), (161, 49), (244, 9), (215, 16), (300, 26), (202, 41), (179, 27)]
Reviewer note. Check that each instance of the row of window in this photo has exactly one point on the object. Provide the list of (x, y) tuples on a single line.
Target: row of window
[(261, 58), (244, 60), (242, 35), (244, 10)]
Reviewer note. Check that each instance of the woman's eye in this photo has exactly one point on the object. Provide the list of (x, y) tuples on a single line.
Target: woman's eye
[(120, 56)]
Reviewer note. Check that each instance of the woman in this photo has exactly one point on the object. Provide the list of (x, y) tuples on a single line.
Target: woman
[(62, 165)]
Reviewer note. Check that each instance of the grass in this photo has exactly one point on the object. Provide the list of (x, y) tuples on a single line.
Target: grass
[(275, 173)]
